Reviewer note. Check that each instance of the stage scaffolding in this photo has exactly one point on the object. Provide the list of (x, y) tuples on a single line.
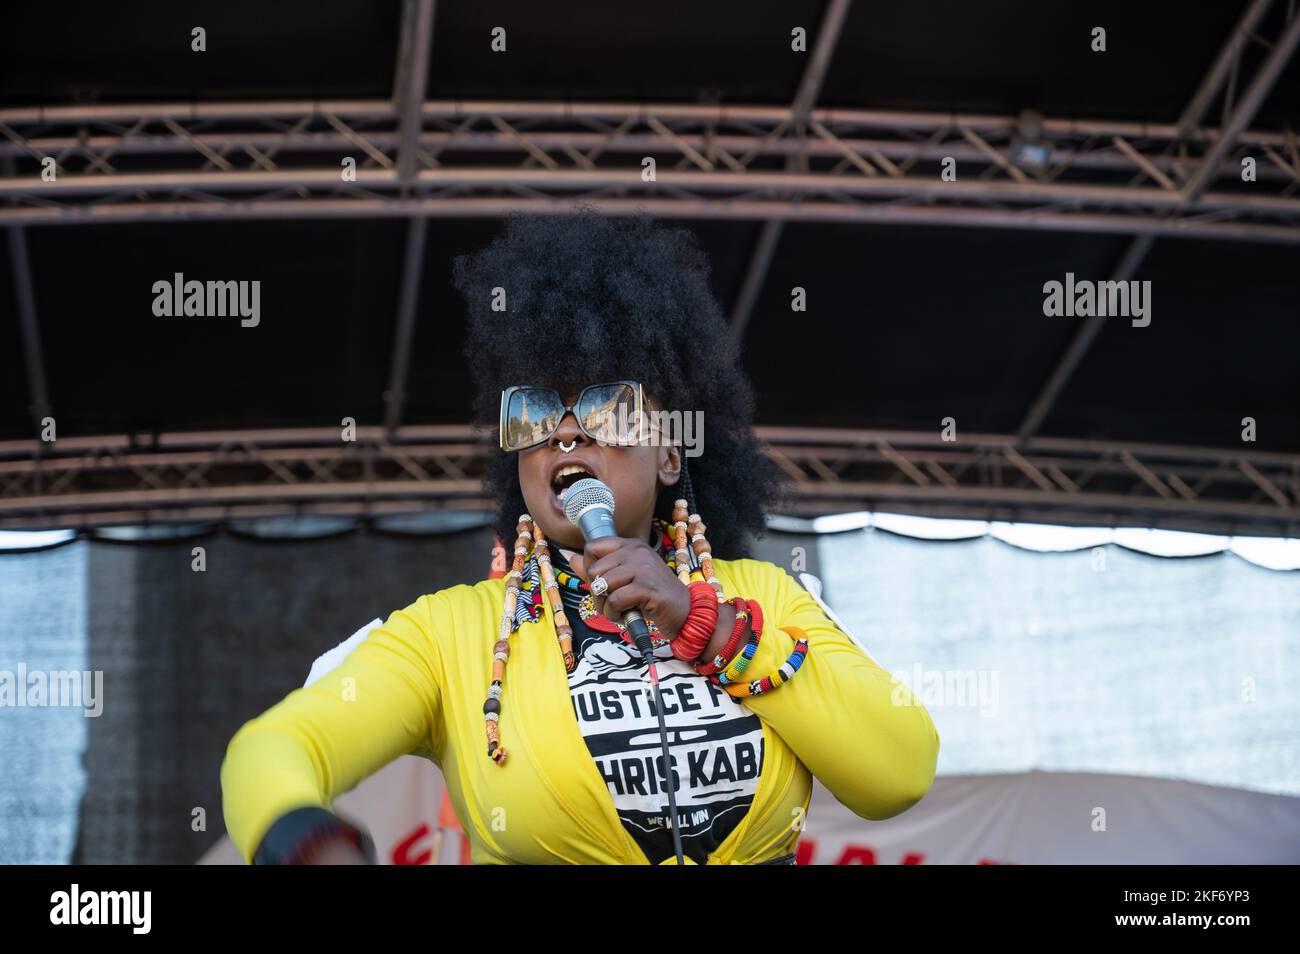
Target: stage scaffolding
[(218, 476), (418, 158)]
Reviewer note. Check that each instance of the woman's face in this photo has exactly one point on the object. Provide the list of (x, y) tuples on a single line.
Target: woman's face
[(634, 474)]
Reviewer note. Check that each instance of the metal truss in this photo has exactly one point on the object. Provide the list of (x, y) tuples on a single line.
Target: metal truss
[(786, 162), (212, 477), (238, 160), (1238, 114)]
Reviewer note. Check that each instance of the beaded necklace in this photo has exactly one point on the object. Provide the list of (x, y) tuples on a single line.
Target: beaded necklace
[(533, 576)]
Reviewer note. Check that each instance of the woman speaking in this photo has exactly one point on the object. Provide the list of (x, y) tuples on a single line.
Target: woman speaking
[(591, 340)]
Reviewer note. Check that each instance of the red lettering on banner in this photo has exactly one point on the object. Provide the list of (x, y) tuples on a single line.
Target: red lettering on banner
[(402, 850), (857, 855), (852, 854)]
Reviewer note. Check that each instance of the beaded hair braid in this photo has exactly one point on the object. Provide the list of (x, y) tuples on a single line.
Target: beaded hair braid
[(527, 533), (694, 568)]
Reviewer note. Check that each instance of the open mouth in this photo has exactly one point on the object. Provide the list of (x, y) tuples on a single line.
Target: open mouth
[(567, 476)]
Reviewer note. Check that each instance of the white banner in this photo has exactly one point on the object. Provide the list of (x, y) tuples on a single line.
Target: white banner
[(1029, 818), (1061, 818)]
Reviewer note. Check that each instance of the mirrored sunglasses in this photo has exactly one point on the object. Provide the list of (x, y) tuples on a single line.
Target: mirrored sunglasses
[(609, 413)]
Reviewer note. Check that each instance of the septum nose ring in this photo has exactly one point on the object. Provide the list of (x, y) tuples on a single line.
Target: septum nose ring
[(572, 444)]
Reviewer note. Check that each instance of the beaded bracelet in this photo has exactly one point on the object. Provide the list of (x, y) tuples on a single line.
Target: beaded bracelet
[(740, 663), (733, 642), (737, 666), (734, 671), (782, 675)]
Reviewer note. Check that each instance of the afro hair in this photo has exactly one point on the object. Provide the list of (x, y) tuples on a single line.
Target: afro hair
[(590, 299)]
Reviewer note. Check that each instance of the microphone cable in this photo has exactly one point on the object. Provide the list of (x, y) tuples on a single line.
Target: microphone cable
[(641, 635)]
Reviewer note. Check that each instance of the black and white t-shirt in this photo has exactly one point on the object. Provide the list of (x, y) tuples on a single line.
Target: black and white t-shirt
[(716, 745)]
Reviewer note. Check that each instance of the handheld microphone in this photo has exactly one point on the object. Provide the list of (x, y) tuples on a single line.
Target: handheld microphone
[(589, 505)]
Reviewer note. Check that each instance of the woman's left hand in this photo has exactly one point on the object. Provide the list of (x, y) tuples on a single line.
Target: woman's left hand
[(638, 578)]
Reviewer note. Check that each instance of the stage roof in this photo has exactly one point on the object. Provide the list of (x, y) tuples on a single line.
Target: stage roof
[(907, 324)]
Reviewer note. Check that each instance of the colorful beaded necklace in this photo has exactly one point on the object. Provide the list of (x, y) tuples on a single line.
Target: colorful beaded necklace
[(532, 574)]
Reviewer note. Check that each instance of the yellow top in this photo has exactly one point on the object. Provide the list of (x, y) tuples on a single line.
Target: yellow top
[(417, 686)]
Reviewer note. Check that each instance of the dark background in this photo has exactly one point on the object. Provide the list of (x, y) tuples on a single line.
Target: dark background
[(905, 325)]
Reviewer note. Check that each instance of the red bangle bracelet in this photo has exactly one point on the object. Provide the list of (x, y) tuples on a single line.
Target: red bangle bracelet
[(742, 608), (703, 616), (697, 630)]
